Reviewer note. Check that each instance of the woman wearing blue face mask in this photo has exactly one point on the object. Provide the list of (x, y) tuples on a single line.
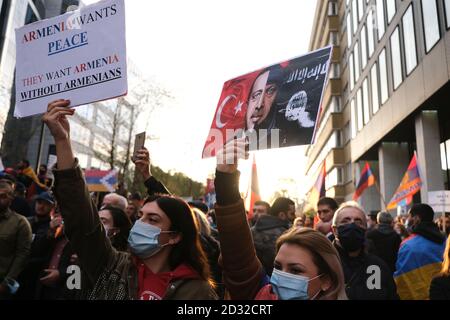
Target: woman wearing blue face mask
[(306, 266), (166, 260)]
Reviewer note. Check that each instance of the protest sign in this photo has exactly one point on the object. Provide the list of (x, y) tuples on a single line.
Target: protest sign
[(79, 56), (439, 200), (274, 107)]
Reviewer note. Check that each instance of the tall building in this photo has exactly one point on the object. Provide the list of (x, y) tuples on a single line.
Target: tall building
[(328, 148), (12, 15), (394, 59)]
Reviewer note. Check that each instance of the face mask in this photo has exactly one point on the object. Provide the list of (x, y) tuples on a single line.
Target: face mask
[(351, 237), (144, 239), (288, 286)]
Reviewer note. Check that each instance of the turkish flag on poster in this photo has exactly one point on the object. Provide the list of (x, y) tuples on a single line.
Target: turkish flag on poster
[(273, 107), (230, 112)]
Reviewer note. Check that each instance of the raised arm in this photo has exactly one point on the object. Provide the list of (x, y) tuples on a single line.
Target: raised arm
[(143, 167), (242, 271), (81, 221)]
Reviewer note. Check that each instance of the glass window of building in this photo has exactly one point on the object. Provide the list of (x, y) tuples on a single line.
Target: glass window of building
[(352, 72), (332, 8), (353, 118), (357, 64), (366, 107), (390, 7), (348, 172), (370, 30), (349, 30), (380, 18), (336, 104), (355, 16), (396, 58), (383, 77), (359, 109), (335, 72), (334, 38), (347, 135), (360, 9), (409, 38), (333, 178), (447, 13), (374, 83), (363, 48), (430, 23)]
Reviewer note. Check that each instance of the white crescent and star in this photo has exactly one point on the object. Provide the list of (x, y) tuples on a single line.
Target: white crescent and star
[(237, 108)]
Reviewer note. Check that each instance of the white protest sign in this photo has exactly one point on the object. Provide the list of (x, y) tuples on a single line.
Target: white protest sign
[(52, 160), (1, 165), (439, 200), (79, 56)]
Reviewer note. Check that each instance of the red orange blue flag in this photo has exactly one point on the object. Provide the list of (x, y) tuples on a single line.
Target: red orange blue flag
[(254, 189), (410, 185)]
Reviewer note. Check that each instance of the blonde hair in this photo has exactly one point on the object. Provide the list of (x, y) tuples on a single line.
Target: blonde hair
[(202, 222), (445, 271), (346, 205), (325, 257)]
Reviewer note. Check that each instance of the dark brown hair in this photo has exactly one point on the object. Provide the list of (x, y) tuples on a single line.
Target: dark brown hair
[(189, 249)]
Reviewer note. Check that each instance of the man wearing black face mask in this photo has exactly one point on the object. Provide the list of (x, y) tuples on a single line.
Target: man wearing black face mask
[(367, 277)]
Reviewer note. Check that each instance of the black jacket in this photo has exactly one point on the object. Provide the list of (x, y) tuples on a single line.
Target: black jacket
[(358, 272), (385, 244), (41, 249), (440, 288), (59, 291), (265, 233), (430, 231), (21, 206)]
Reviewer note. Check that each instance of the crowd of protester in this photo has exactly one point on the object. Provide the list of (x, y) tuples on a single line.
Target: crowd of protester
[(158, 246)]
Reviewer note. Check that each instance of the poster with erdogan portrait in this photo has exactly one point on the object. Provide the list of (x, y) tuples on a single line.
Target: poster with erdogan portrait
[(274, 107)]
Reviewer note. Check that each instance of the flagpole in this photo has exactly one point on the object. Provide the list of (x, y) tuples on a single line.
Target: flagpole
[(381, 196)]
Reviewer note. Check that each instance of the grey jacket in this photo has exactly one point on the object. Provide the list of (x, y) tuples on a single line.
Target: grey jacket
[(15, 244)]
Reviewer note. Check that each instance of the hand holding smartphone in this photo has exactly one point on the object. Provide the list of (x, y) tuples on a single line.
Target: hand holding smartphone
[(139, 142)]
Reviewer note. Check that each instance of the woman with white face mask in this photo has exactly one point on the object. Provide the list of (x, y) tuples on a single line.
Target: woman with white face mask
[(166, 259), (306, 266)]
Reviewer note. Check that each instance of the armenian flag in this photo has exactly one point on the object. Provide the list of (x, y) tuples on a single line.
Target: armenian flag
[(366, 180)]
